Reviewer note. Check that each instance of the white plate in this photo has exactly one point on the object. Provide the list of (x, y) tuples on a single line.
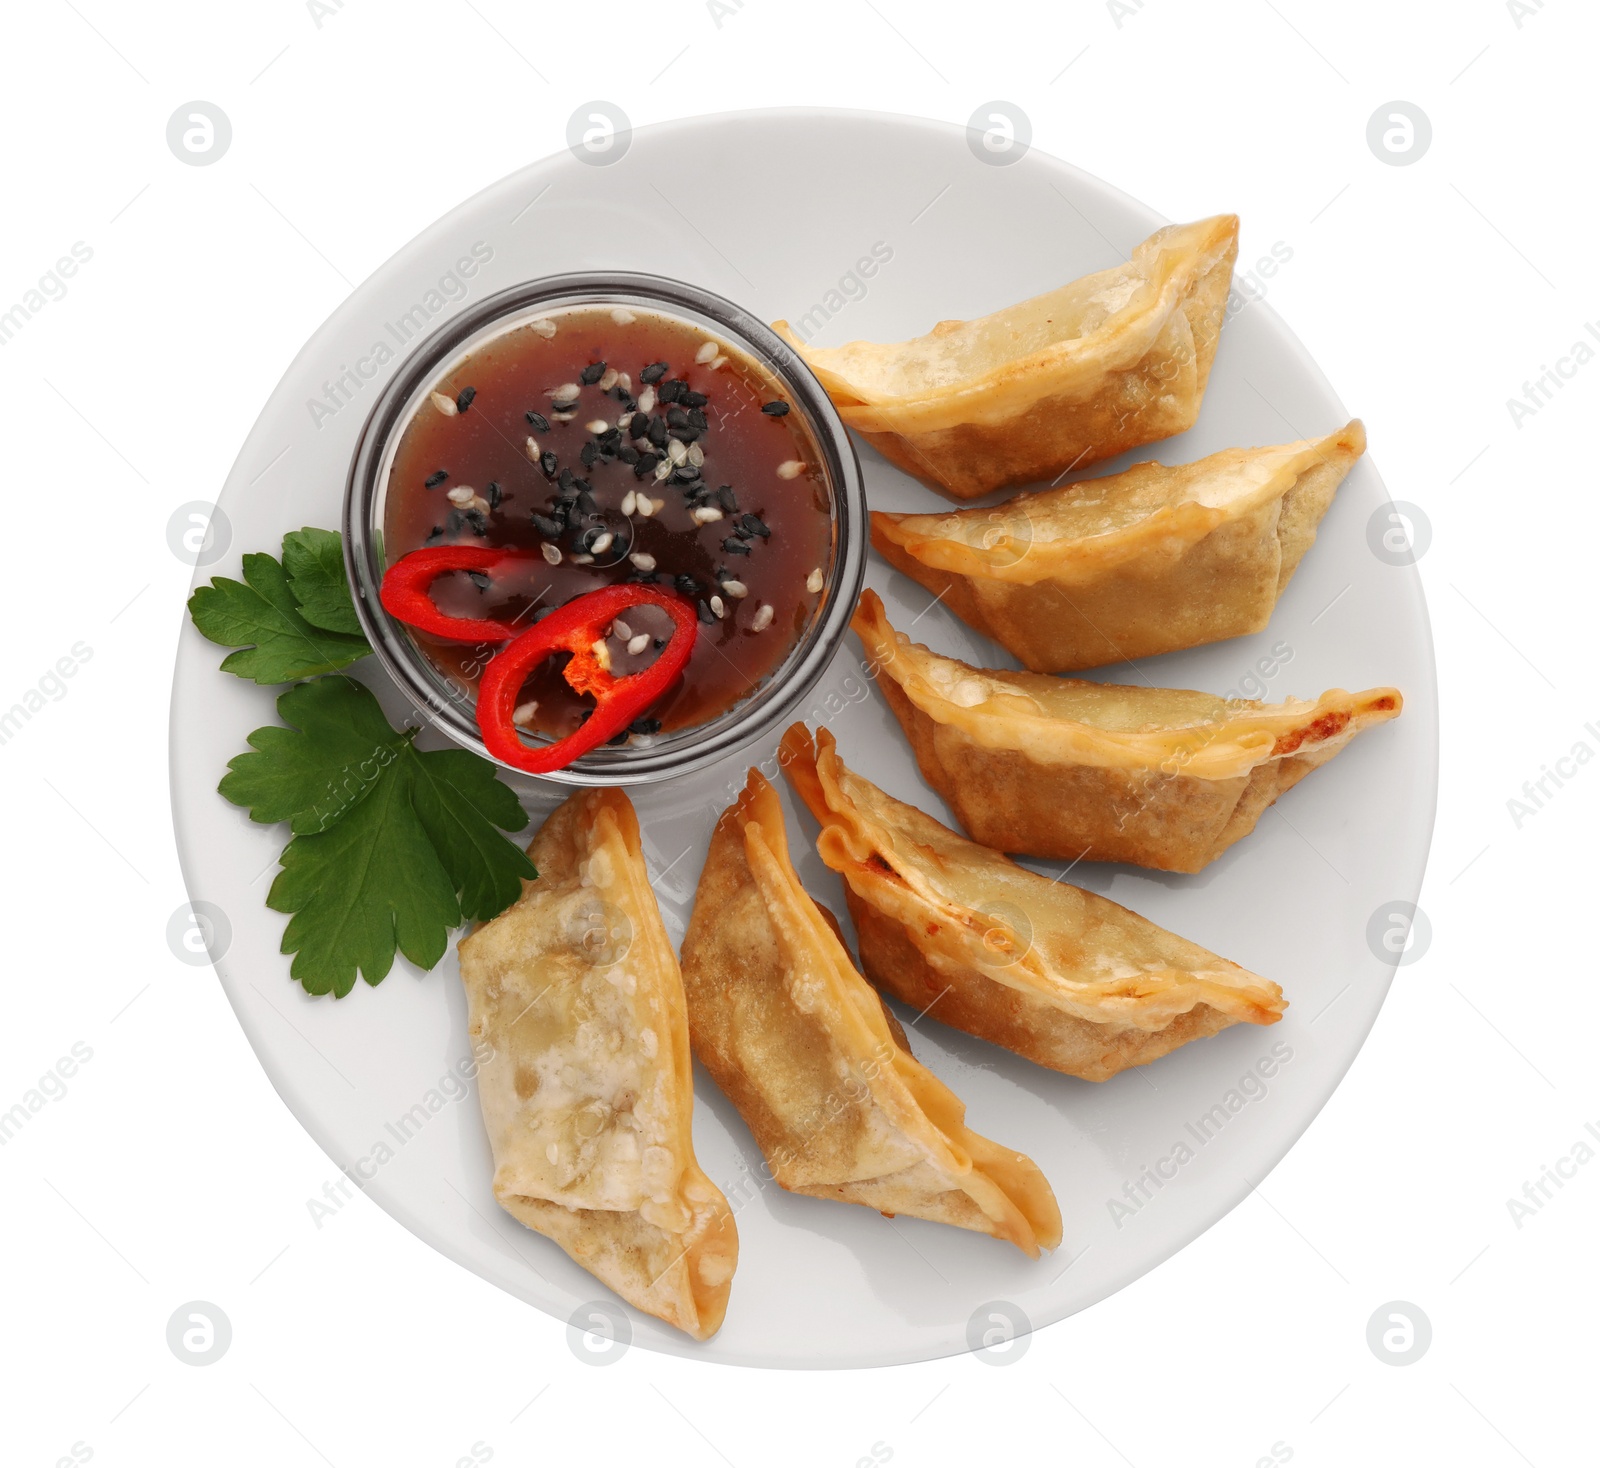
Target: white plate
[(773, 209)]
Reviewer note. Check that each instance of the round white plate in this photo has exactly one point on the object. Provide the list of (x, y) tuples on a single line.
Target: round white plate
[(775, 210)]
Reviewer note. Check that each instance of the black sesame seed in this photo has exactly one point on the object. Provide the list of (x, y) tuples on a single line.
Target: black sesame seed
[(625, 397), (479, 523), (592, 373), (434, 480), (546, 526), (587, 503), (464, 398), (547, 462), (628, 454), (669, 390), (645, 726), (452, 522), (537, 420), (610, 441), (727, 499), (647, 462), (567, 479), (654, 372), (697, 419), (657, 433), (495, 494), (707, 616), (685, 474), (621, 738), (565, 407), (692, 399), (687, 585), (677, 418), (640, 425), (589, 453), (437, 533), (775, 410), (754, 525), (735, 547), (480, 579)]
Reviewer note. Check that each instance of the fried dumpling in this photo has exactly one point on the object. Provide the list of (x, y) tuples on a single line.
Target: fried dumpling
[(1148, 561), (1114, 360), (1059, 975), (817, 1065), (588, 1096), (1064, 768)]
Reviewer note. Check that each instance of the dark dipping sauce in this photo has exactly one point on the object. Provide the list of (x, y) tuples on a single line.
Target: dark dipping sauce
[(755, 573)]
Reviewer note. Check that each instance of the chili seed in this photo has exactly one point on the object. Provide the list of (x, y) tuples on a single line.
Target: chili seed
[(707, 351), (551, 553), (814, 581), (623, 316), (637, 645), (434, 480), (544, 326), (654, 372), (464, 398), (524, 712), (444, 403), (537, 421), (775, 410)]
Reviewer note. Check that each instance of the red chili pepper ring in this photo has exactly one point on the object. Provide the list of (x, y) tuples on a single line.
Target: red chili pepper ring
[(404, 592), (575, 628)]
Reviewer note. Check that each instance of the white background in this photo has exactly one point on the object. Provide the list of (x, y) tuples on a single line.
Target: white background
[(169, 1171)]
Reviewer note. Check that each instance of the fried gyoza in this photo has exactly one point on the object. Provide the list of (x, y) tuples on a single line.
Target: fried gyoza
[(1064, 768), (816, 1064), (588, 1095), (1059, 975), (1148, 561), (1111, 361)]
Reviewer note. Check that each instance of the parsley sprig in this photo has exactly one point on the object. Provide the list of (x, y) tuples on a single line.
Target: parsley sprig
[(391, 846)]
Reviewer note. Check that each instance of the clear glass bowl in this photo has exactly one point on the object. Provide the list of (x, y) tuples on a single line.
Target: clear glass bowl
[(446, 704)]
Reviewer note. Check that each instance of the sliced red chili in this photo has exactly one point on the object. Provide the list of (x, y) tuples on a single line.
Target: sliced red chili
[(575, 628), (405, 597)]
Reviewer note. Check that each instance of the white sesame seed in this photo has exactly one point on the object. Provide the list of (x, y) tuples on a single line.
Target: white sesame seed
[(544, 326), (736, 589), (718, 363), (644, 505), (444, 403), (707, 351), (790, 469), (625, 381), (706, 515), (602, 543), (762, 619), (664, 468), (608, 379), (718, 606), (697, 455), (647, 399), (623, 316), (624, 420), (550, 553), (585, 559), (643, 560), (566, 393), (524, 712), (562, 417), (596, 425), (531, 445), (814, 581), (621, 630), (637, 645), (461, 495), (677, 451), (630, 502)]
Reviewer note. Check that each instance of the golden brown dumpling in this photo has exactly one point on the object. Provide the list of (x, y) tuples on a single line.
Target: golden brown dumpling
[(1064, 768), (818, 1067), (1114, 360), (1148, 561), (588, 1096), (1057, 974)]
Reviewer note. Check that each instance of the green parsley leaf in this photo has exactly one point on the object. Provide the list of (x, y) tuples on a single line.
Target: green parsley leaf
[(393, 846), (314, 560), (310, 774), (259, 617), (370, 883)]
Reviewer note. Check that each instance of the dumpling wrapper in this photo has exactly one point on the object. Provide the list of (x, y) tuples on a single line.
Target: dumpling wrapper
[(1148, 561), (815, 1063), (1111, 361), (1064, 768), (1064, 977), (588, 1096)]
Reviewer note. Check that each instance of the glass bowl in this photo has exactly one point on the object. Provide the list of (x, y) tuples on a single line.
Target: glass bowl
[(446, 704)]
